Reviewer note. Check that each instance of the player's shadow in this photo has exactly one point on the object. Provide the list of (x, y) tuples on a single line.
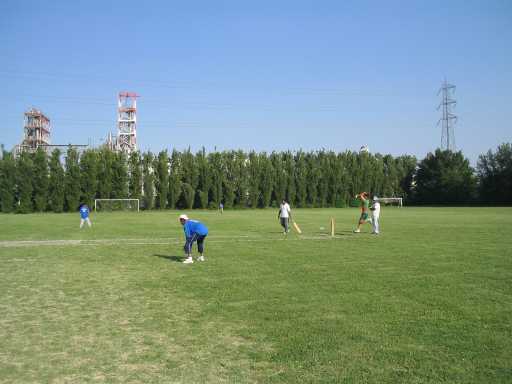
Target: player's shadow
[(344, 232), (177, 259)]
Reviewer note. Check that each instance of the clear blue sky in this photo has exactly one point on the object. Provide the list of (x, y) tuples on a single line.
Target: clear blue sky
[(263, 75)]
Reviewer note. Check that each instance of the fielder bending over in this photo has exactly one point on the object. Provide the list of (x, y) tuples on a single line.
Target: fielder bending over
[(194, 231)]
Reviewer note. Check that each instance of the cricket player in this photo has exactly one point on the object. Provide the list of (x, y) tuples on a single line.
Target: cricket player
[(84, 215), (365, 203), (375, 208), (194, 231), (284, 216)]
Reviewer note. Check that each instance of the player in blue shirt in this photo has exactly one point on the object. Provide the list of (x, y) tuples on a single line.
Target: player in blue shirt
[(84, 215), (194, 231)]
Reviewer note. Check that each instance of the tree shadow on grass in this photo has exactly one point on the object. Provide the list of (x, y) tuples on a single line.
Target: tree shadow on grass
[(177, 259)]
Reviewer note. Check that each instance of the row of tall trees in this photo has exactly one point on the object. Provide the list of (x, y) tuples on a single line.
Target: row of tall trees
[(36, 182), (240, 179)]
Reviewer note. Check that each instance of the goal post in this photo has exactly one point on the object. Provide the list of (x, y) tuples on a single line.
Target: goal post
[(116, 205), (391, 200)]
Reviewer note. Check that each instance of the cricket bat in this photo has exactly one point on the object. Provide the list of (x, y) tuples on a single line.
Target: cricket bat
[(296, 227)]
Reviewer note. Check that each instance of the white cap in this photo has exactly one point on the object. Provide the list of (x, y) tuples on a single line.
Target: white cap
[(183, 217), (375, 198)]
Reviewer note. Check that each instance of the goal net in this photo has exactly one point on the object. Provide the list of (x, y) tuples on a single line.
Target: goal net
[(109, 205)]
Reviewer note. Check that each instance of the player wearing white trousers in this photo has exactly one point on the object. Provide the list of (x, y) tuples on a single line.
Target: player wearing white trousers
[(375, 215)]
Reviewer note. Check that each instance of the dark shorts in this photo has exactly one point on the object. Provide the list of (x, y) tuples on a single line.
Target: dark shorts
[(200, 243), (364, 216)]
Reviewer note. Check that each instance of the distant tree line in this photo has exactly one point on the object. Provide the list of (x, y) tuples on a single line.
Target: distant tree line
[(37, 182)]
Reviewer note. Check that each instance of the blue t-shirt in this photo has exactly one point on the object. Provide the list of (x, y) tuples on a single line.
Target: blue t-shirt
[(84, 211), (192, 227)]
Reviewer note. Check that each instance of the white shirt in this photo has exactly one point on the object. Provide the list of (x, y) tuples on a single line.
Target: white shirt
[(376, 209), (284, 211)]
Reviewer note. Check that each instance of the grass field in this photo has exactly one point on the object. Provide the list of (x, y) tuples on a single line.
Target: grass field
[(427, 301)]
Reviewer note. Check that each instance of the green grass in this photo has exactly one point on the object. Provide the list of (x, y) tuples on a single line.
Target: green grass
[(428, 301)]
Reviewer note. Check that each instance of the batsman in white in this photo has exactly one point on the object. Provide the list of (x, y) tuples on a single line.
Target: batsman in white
[(375, 208), (284, 215)]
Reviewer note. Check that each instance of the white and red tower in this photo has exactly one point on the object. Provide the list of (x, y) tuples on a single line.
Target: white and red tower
[(36, 132), (127, 122)]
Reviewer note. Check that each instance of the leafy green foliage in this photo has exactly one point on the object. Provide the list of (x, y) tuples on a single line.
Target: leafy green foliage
[(105, 173), (88, 176), (24, 180), (7, 182), (253, 171), (239, 179), (189, 171), (174, 179), (56, 183), (266, 180), (135, 175), (188, 194), (41, 180), (217, 171), (495, 175), (301, 179), (72, 180), (148, 181), (161, 167), (445, 177), (204, 179), (119, 176)]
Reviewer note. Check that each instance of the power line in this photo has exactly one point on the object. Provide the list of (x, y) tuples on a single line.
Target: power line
[(67, 120), (189, 85), (151, 104)]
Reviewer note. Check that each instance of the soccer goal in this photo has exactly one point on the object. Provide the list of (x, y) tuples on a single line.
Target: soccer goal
[(392, 200), (108, 205)]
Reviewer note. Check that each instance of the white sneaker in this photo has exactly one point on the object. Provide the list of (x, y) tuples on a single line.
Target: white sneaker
[(188, 260), (200, 258), (357, 230)]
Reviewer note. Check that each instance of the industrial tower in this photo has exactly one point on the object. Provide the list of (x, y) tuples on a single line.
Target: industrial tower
[(448, 118), (36, 131), (127, 122)]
